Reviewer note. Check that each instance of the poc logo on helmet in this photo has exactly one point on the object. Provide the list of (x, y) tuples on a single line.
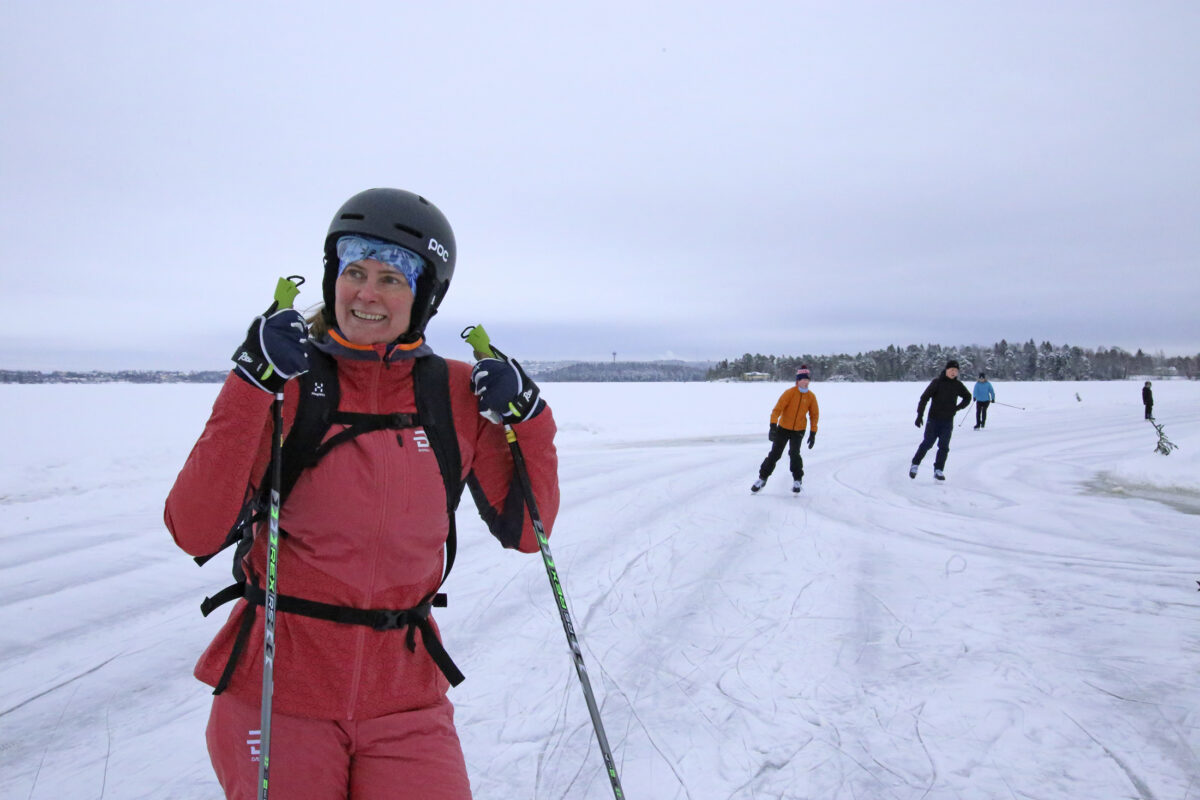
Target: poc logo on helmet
[(439, 249)]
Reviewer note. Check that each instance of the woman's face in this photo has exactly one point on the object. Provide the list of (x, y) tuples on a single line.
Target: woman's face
[(372, 302)]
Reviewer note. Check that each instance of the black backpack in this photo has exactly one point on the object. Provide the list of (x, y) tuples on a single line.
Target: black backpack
[(316, 412)]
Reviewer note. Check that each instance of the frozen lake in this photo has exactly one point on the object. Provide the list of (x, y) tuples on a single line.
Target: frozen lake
[(1028, 629)]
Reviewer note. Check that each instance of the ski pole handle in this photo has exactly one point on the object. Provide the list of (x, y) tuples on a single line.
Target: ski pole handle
[(477, 337), (286, 290), (481, 343)]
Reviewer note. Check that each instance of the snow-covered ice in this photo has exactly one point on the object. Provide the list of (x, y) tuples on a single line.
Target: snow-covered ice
[(1028, 629)]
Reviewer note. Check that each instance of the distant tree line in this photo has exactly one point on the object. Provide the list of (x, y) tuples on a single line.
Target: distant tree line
[(638, 371), (1002, 361), (122, 376)]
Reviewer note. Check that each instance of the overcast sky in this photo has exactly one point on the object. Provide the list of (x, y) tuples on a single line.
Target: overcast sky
[(688, 179)]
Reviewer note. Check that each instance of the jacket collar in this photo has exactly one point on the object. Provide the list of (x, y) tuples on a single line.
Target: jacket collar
[(338, 346)]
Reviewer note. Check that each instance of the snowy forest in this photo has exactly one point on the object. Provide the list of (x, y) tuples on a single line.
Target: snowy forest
[(639, 371), (1003, 361)]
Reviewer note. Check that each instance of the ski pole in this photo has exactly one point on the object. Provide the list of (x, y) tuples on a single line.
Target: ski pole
[(997, 402), (477, 337), (964, 419), (285, 292)]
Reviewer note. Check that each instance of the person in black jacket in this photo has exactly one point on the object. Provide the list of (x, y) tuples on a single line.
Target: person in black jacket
[(942, 394), (1148, 400)]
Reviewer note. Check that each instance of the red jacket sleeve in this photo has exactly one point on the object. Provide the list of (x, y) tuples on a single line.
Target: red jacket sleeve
[(224, 466)]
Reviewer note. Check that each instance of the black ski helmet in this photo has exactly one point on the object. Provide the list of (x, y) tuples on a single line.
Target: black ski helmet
[(408, 220)]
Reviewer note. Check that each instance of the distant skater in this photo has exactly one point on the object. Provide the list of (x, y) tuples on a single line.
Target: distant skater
[(941, 394), (1148, 400), (984, 395), (787, 430)]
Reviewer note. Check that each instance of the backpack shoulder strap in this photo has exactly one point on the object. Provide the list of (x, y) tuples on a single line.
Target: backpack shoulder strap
[(431, 385), (319, 396), (318, 399)]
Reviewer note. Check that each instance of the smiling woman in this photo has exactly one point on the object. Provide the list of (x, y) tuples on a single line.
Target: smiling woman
[(369, 526), (372, 302)]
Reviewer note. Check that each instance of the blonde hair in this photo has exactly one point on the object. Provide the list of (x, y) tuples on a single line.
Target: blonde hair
[(318, 323)]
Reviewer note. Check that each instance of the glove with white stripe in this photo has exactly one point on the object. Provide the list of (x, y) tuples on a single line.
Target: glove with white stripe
[(275, 350), (506, 394)]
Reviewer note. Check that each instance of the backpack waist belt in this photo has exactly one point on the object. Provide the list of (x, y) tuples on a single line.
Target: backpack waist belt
[(380, 619)]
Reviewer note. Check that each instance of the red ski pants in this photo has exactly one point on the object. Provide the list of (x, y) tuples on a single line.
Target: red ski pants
[(412, 754)]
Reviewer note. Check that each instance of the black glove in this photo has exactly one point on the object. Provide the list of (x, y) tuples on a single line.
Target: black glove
[(920, 420), (812, 439), (773, 432), (275, 350), (506, 394)]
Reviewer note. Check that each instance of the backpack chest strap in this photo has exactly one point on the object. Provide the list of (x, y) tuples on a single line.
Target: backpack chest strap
[(357, 424)]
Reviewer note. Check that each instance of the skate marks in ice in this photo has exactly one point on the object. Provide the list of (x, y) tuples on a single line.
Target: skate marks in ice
[(46, 560), (885, 639), (1143, 789), (643, 540), (83, 726), (855, 686), (61, 484), (91, 738), (995, 609), (691, 441), (687, 592), (756, 648), (48, 476)]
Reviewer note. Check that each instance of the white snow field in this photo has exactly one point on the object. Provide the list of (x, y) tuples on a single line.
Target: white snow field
[(1028, 629)]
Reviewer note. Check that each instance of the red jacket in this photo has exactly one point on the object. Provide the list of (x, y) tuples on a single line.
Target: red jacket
[(365, 527)]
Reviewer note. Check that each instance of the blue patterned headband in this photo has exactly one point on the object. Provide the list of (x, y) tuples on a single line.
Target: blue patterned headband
[(357, 248)]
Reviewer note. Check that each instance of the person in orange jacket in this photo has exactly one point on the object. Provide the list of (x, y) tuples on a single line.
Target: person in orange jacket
[(787, 430)]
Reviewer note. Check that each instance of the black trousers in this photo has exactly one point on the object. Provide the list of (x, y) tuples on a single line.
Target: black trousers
[(791, 440), (981, 412), (936, 430), (1150, 411)]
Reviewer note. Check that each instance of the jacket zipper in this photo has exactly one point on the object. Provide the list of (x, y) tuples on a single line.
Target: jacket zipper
[(373, 544)]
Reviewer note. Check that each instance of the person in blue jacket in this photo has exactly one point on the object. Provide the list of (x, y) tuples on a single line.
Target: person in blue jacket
[(984, 396)]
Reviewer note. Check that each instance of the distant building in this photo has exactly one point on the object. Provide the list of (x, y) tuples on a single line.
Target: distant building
[(756, 376)]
